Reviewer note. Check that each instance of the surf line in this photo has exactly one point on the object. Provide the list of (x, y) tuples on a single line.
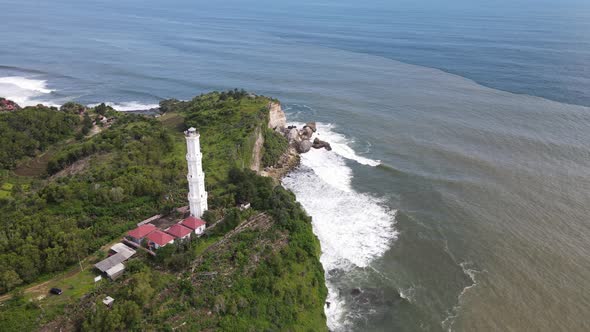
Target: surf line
[(350, 237)]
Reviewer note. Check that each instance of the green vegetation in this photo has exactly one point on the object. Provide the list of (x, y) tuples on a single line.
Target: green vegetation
[(227, 123), (259, 274), (275, 146), (73, 108), (228, 130), (25, 132), (265, 277), (135, 170), (5, 190)]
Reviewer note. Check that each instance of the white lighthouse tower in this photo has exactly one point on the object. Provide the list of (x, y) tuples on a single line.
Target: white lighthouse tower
[(197, 196)]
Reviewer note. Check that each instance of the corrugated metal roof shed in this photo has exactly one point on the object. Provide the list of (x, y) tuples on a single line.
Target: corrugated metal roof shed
[(121, 248), (115, 271), (123, 254)]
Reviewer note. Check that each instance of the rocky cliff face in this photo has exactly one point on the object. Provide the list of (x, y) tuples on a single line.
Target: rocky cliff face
[(257, 151), (277, 118), (300, 141)]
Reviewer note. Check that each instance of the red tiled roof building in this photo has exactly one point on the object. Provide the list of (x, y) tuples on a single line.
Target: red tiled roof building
[(179, 231), (136, 235), (159, 239), (195, 224)]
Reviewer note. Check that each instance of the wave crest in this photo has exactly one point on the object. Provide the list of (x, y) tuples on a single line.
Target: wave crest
[(25, 91), (353, 228), (129, 106)]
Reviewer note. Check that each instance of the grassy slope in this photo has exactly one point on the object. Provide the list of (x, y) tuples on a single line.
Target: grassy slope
[(226, 129), (294, 296)]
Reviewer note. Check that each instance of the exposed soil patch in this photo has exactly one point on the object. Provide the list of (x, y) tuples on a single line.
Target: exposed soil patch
[(173, 121), (34, 167), (257, 151), (288, 161), (260, 244), (75, 168), (95, 130)]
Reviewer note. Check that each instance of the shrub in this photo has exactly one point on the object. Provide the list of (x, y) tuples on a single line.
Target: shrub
[(275, 145)]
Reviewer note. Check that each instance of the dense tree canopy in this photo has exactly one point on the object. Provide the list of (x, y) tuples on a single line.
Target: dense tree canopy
[(26, 132), (127, 173), (97, 188)]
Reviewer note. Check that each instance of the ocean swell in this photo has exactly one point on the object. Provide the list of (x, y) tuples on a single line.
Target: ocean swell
[(353, 228), (25, 91)]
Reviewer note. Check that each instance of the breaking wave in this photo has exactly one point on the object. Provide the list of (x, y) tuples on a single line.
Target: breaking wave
[(25, 91), (353, 228), (30, 92), (129, 106)]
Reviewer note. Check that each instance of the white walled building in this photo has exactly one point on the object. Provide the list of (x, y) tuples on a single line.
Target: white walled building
[(197, 196), (195, 224)]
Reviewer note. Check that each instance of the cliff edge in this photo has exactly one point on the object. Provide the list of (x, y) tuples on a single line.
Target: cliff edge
[(277, 118)]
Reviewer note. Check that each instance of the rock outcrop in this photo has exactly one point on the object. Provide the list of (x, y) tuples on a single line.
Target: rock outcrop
[(318, 144), (300, 141), (277, 119), (306, 133), (293, 135), (7, 105), (304, 146)]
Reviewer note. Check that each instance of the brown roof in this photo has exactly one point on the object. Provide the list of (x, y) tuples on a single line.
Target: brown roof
[(178, 230), (193, 222), (160, 238), (141, 231)]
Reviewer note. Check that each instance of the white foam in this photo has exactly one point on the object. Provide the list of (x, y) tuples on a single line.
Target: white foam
[(128, 106), (340, 144), (25, 91), (353, 228), (472, 273)]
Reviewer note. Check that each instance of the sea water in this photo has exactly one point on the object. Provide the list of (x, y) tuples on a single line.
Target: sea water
[(456, 196)]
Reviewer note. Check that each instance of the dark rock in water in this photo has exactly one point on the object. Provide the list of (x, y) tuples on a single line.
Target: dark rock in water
[(291, 127), (318, 144), (311, 125), (375, 297), (328, 304), (304, 146)]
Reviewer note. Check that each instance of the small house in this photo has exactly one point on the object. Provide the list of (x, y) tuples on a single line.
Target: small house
[(179, 231), (195, 224), (108, 301), (157, 239), (138, 234)]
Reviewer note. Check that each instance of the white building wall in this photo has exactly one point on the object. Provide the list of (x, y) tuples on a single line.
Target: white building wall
[(200, 230), (197, 196)]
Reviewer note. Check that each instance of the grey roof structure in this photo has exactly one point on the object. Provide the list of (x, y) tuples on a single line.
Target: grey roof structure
[(115, 271), (121, 248), (108, 300), (123, 253)]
